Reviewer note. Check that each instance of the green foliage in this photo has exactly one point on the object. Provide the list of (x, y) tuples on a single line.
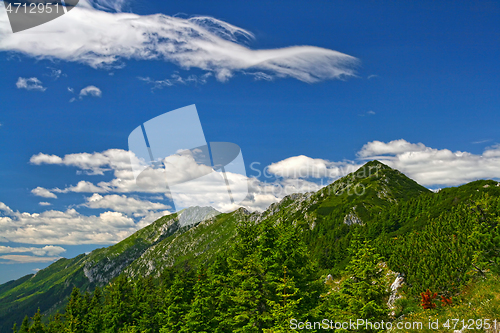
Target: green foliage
[(249, 272)]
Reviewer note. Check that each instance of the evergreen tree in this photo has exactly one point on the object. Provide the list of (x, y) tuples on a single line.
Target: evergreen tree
[(75, 312), (37, 326), (119, 302), (177, 302), (56, 324), (25, 325), (283, 311), (95, 315)]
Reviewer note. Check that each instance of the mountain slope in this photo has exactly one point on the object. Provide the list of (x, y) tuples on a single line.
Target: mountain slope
[(360, 200)]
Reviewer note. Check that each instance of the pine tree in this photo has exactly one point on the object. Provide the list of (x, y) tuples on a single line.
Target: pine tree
[(94, 322), (37, 326), (25, 325), (118, 307), (56, 324), (363, 293), (177, 302), (200, 317), (147, 305), (283, 311), (74, 312)]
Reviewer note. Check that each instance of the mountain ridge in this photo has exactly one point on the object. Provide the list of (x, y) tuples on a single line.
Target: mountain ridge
[(326, 217)]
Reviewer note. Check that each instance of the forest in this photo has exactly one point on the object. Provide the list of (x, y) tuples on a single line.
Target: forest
[(280, 271)]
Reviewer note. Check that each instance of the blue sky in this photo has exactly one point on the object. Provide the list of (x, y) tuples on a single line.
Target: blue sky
[(417, 89)]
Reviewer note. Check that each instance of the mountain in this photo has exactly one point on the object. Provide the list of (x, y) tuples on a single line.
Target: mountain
[(372, 198)]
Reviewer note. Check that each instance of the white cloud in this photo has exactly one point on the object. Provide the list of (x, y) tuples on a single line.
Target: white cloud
[(45, 203), (92, 36), (30, 84), (428, 166), (44, 193), (431, 166), (90, 91), (93, 164), (65, 227), (48, 250), (307, 167), (176, 79), (24, 259), (124, 204), (55, 73)]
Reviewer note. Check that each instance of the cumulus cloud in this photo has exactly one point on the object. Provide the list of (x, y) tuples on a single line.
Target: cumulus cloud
[(307, 167), (43, 203), (91, 163), (188, 182), (25, 259), (124, 204), (197, 185), (66, 227), (95, 33), (30, 84), (433, 167), (43, 192), (49, 250), (428, 166)]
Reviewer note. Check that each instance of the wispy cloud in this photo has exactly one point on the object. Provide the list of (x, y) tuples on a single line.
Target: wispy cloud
[(95, 34), (30, 84), (90, 91), (87, 91), (481, 141), (55, 73), (176, 79), (368, 113)]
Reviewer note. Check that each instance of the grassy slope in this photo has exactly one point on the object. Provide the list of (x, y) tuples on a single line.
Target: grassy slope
[(162, 244)]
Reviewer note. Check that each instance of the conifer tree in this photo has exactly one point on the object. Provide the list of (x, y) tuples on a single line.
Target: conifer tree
[(362, 295), (177, 302), (287, 308), (56, 324), (37, 326), (74, 312), (25, 325), (95, 315), (118, 305)]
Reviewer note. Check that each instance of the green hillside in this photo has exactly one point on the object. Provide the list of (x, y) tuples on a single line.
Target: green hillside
[(372, 223)]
